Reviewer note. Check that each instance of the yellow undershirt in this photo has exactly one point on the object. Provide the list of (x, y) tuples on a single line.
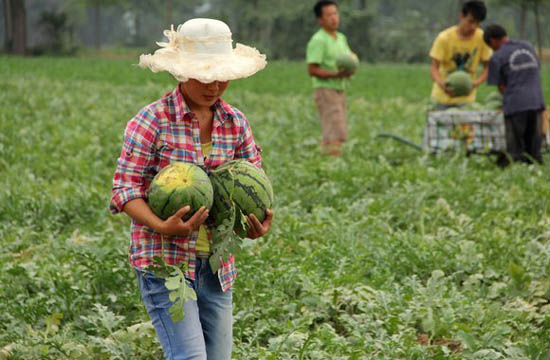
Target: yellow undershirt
[(203, 243)]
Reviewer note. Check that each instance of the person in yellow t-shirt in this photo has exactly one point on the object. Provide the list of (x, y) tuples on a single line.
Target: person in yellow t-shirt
[(460, 47)]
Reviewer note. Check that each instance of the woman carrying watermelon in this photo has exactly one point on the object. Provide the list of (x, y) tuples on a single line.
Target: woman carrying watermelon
[(190, 124)]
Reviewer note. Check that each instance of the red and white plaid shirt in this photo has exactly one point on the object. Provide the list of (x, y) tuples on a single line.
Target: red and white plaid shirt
[(167, 131)]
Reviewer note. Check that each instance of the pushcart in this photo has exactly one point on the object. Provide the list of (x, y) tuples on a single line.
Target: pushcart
[(480, 131)]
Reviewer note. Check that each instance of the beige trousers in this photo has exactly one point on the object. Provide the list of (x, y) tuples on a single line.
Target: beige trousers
[(331, 105)]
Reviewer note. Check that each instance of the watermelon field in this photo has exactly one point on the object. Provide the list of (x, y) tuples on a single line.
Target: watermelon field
[(382, 253)]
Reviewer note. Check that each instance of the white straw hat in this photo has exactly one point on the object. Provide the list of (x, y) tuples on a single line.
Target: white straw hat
[(202, 49)]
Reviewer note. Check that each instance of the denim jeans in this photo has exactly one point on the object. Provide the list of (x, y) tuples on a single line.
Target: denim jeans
[(207, 329)]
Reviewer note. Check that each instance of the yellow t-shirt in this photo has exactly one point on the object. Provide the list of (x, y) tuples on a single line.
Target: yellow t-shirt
[(456, 54), (203, 243)]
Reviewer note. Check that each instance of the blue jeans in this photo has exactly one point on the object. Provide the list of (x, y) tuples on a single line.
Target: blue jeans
[(207, 329)]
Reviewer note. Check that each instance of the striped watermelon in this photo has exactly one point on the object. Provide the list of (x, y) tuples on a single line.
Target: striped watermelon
[(243, 184), (461, 83), (177, 185), (347, 62)]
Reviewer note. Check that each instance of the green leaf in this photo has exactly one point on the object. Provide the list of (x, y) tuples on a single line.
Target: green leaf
[(241, 225), (52, 323), (467, 339), (173, 282), (176, 283), (176, 311), (214, 262)]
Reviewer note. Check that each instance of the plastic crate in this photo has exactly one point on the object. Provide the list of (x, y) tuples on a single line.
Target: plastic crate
[(473, 131)]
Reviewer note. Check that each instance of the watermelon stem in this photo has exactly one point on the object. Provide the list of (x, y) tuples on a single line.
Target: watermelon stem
[(175, 282)]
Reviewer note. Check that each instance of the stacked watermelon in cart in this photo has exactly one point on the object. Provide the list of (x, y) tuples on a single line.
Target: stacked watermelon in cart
[(474, 127)]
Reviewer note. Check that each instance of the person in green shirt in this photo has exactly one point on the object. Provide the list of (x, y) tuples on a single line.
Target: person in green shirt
[(329, 82)]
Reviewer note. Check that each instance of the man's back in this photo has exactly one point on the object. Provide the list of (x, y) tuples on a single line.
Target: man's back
[(515, 66)]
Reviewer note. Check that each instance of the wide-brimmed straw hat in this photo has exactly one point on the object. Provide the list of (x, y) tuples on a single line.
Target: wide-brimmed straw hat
[(202, 49)]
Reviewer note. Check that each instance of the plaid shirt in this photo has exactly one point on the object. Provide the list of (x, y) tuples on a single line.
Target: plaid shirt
[(167, 131)]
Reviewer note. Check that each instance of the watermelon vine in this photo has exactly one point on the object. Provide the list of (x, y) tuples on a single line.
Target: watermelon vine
[(227, 234), (179, 289)]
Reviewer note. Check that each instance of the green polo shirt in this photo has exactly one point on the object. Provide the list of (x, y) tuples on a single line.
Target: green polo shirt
[(323, 49)]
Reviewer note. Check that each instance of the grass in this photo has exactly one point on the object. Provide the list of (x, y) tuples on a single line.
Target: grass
[(383, 253)]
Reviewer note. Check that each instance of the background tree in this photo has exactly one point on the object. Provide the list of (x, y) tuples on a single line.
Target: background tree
[(378, 30), (15, 27), (57, 31), (525, 6)]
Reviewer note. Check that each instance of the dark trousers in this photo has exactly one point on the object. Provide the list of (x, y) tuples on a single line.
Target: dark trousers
[(524, 136)]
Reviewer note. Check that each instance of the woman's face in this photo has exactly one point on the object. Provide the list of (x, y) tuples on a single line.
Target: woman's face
[(201, 94)]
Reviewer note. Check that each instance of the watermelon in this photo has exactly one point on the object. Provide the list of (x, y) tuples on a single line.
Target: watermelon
[(347, 62), (494, 96), (177, 185), (460, 81), (494, 105), (472, 106), (242, 184)]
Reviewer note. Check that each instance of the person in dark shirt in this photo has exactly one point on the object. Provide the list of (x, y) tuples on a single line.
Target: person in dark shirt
[(514, 68)]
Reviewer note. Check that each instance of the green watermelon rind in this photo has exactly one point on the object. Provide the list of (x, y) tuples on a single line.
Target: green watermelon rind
[(347, 62), (166, 203), (244, 193), (222, 199), (493, 97), (460, 82), (493, 105)]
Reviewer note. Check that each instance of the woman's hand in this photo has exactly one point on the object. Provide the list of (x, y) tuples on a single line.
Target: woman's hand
[(175, 225), (257, 229), (140, 211)]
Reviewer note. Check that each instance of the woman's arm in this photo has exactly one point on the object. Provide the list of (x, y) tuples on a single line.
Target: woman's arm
[(140, 211)]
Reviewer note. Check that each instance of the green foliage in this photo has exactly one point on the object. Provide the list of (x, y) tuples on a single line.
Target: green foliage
[(180, 290), (366, 253), (378, 31), (58, 33), (225, 240), (230, 224)]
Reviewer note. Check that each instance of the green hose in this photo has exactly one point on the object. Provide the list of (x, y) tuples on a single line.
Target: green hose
[(401, 140)]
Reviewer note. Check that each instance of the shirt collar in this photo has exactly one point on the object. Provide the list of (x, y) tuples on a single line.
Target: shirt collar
[(222, 110), (181, 110), (326, 33)]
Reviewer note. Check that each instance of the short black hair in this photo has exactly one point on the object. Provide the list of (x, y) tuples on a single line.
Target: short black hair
[(476, 8), (493, 31), (318, 8)]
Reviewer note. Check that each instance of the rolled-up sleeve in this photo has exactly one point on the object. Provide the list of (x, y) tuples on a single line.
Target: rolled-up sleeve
[(247, 148), (137, 155)]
